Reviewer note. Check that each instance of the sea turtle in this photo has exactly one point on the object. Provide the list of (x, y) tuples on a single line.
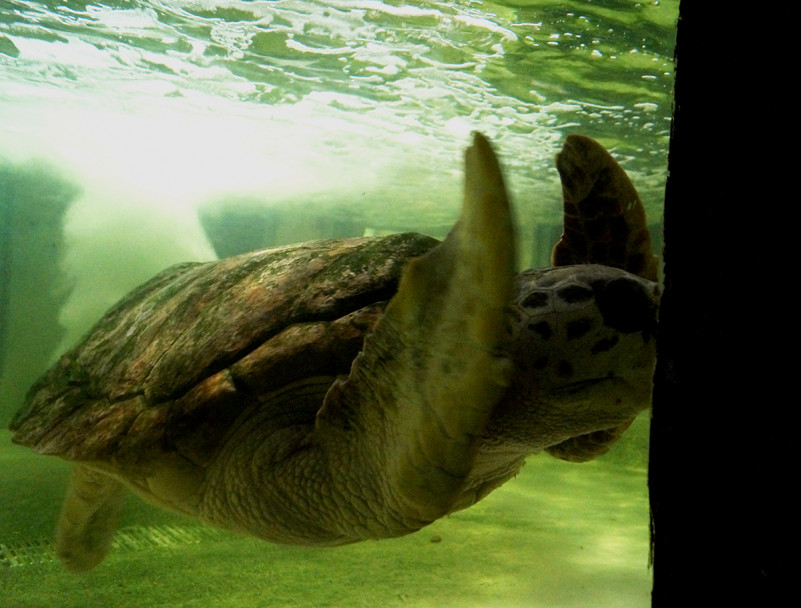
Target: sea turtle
[(340, 390)]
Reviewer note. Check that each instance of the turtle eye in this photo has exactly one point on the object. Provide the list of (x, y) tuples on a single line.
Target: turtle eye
[(625, 305)]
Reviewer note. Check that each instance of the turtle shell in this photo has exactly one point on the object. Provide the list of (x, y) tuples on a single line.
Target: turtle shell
[(182, 355)]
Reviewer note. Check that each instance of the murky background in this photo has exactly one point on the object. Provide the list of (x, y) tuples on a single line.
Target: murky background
[(136, 134)]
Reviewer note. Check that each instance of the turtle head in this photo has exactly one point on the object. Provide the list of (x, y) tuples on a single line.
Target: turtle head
[(582, 341)]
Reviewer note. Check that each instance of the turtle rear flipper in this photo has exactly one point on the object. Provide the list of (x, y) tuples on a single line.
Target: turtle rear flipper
[(88, 518), (420, 393)]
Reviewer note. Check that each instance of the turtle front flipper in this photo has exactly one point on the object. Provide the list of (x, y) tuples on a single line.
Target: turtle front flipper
[(604, 218), (418, 396)]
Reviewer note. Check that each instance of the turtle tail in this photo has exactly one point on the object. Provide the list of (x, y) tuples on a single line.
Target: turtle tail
[(88, 518)]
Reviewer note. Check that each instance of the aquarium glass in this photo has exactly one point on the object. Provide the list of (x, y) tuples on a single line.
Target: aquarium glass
[(135, 134)]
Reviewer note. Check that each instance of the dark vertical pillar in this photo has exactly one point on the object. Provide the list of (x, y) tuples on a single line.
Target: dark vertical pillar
[(34, 200), (5, 255), (724, 388)]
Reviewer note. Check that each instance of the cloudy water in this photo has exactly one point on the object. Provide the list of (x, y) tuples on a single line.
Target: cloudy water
[(136, 134), (356, 108)]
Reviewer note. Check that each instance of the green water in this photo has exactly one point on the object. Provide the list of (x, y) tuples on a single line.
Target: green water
[(559, 535), (136, 134)]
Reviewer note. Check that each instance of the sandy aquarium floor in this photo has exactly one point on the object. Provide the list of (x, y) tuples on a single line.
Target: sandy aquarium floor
[(557, 536)]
